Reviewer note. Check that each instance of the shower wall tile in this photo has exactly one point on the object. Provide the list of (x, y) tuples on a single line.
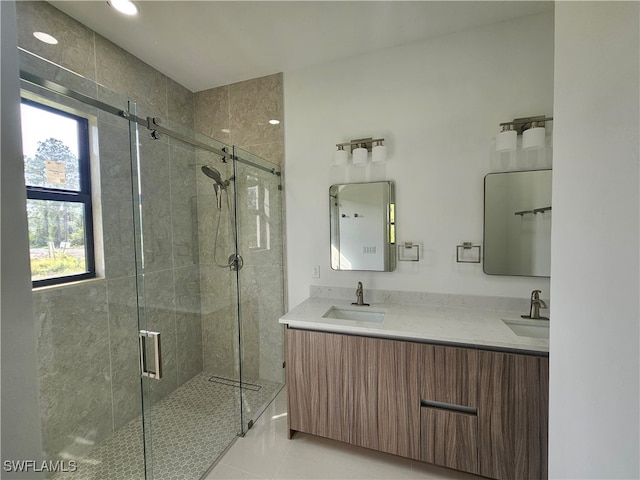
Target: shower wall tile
[(217, 288), (75, 48), (156, 204), (123, 335), (121, 72), (160, 316), (189, 349), (179, 103), (50, 71), (187, 289), (250, 338), (116, 200), (252, 104), (220, 342), (188, 323), (211, 112), (184, 206), (272, 152), (245, 109), (266, 299), (74, 374)]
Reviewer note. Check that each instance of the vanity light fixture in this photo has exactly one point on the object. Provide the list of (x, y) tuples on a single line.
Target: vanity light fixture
[(533, 137), (342, 156), (507, 139), (360, 154), (379, 153), (126, 7), (360, 149), (532, 131)]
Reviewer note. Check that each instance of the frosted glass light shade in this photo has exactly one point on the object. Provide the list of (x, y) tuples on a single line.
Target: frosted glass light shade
[(506, 141), (341, 157), (360, 156), (379, 154), (533, 138)]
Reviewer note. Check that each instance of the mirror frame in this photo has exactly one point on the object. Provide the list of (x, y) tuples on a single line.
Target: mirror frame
[(389, 230)]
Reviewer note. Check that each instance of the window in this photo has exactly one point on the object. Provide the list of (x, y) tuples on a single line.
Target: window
[(57, 175)]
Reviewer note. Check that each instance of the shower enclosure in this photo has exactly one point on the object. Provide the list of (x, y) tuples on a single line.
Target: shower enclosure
[(153, 368)]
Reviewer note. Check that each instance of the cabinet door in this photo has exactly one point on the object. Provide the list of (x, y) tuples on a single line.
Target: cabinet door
[(449, 439), (513, 415), (317, 384), (384, 395), (449, 375)]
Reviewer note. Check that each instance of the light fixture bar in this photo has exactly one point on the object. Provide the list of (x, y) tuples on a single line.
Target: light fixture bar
[(364, 142), (522, 124)]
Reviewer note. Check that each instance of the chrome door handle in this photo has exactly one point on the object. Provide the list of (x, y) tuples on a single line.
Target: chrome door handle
[(156, 373)]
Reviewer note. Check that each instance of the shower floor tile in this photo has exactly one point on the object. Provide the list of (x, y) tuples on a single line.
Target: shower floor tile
[(190, 428)]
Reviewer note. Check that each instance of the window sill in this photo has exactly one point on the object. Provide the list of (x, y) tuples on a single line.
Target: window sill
[(77, 283)]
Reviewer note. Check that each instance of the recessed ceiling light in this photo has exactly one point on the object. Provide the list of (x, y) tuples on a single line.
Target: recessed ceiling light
[(225, 130), (273, 121), (46, 38), (124, 6)]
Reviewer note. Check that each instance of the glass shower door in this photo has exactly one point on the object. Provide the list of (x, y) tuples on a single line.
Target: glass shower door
[(260, 281), (186, 299), (89, 377)]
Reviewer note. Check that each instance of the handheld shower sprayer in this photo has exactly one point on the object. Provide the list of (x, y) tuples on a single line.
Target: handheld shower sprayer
[(219, 184)]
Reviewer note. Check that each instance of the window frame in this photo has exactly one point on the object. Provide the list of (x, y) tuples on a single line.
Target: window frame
[(82, 196)]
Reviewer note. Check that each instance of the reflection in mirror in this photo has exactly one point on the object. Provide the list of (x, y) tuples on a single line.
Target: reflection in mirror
[(517, 223), (362, 218)]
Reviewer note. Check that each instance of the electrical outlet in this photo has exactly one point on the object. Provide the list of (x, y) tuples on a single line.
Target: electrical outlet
[(315, 271)]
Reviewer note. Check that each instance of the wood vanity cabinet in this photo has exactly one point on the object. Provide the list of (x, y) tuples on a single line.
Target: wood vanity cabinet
[(384, 405), (485, 412), (317, 383), (513, 414), (482, 412), (359, 390)]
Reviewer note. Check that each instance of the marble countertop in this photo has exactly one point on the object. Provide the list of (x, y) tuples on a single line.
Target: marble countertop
[(441, 324)]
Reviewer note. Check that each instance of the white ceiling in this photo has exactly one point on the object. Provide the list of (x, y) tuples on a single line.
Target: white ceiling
[(205, 44)]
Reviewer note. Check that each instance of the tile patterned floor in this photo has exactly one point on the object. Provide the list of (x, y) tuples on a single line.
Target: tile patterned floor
[(190, 428)]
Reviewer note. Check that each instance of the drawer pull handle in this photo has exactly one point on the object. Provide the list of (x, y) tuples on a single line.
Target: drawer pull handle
[(452, 407)]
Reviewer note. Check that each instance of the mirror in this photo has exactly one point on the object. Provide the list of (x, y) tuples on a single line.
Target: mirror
[(517, 223), (362, 219)]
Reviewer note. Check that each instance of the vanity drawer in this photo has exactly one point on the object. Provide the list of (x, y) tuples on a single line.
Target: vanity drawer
[(449, 438), (449, 375)]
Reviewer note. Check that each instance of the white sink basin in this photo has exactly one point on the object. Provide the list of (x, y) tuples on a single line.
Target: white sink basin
[(360, 314), (529, 328)]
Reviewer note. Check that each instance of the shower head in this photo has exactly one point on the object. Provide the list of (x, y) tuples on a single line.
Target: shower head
[(215, 176)]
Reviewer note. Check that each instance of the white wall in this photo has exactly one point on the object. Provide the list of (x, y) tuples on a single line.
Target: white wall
[(20, 412), (594, 386), (438, 104)]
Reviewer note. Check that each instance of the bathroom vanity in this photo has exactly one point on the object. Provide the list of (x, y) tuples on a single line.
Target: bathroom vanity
[(449, 385)]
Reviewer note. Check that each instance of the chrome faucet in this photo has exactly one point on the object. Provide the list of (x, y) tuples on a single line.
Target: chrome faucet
[(536, 305), (360, 296)]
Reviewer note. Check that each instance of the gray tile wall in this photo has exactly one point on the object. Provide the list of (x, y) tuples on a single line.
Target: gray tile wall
[(87, 345), (238, 114)]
